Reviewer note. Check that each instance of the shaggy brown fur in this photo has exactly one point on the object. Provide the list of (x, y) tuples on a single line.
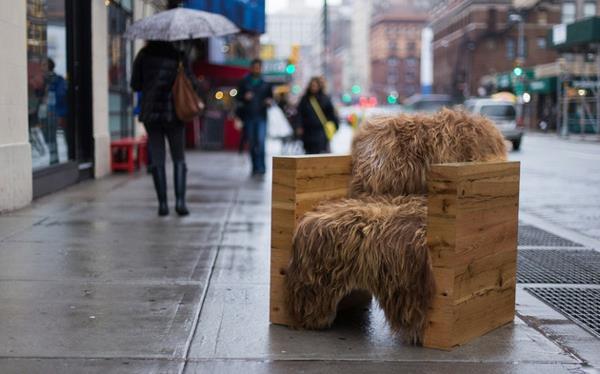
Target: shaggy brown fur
[(392, 155), (377, 240), (377, 244)]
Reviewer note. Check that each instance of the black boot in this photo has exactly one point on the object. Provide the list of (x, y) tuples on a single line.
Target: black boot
[(180, 171), (159, 176)]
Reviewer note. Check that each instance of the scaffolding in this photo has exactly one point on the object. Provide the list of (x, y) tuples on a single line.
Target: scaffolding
[(578, 77)]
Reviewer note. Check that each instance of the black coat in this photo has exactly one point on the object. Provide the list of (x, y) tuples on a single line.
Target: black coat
[(255, 107), (154, 72), (309, 120)]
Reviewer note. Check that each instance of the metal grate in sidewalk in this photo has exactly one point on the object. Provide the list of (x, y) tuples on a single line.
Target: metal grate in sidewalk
[(536, 237), (581, 305), (558, 266)]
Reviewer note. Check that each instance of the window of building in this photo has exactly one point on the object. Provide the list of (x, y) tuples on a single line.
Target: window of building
[(392, 46), (47, 82), (589, 9), (120, 57), (410, 62), (541, 42), (568, 12), (411, 46)]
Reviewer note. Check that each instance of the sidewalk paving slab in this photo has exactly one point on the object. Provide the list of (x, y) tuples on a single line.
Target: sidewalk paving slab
[(91, 281)]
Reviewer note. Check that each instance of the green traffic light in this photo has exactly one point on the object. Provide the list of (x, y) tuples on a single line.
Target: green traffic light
[(518, 71), (290, 69), (391, 99), (346, 98), (356, 89)]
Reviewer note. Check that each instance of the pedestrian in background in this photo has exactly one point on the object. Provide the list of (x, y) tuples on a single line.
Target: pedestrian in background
[(255, 96), (154, 71), (316, 113)]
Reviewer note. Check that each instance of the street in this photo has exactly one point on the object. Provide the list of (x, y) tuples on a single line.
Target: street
[(91, 281)]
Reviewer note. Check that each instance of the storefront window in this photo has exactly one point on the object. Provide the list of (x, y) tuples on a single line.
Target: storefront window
[(47, 82), (120, 54)]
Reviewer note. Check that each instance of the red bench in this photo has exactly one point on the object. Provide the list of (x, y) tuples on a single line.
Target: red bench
[(135, 151)]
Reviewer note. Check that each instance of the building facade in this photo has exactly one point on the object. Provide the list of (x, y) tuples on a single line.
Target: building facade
[(474, 39), (395, 54), (64, 92), (297, 28)]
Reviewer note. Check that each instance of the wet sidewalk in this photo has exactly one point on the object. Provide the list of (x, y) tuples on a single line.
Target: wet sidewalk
[(92, 281)]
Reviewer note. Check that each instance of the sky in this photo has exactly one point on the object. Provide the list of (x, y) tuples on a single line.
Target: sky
[(275, 5)]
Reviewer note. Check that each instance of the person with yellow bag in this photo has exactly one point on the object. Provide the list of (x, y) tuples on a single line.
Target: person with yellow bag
[(318, 119)]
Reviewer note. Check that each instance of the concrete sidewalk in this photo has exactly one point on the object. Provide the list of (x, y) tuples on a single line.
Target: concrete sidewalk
[(92, 281)]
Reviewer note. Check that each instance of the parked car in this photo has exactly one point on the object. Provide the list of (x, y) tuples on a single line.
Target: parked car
[(427, 103), (503, 114)]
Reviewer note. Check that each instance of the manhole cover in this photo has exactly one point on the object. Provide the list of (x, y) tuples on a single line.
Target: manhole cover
[(558, 266), (536, 237), (581, 305)]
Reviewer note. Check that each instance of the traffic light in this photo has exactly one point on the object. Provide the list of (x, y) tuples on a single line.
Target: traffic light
[(518, 71), (356, 89), (290, 69), (294, 54), (391, 99)]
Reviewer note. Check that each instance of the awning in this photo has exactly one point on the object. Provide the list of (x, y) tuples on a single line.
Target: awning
[(247, 15), (575, 36), (221, 74)]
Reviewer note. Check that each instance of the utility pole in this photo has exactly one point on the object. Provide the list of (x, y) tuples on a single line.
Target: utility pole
[(325, 62)]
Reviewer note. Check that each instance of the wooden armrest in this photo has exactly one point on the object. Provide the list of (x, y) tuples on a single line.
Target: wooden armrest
[(299, 183), (472, 223)]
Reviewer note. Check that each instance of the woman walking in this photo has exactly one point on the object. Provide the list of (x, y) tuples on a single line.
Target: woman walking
[(317, 115), (154, 72)]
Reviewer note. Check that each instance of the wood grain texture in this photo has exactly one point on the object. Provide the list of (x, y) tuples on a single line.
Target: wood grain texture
[(299, 183), (472, 237)]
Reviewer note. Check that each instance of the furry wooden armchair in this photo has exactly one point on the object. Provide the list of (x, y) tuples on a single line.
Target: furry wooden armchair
[(423, 215)]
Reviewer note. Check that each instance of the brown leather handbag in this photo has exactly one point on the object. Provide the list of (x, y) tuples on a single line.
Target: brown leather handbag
[(188, 104)]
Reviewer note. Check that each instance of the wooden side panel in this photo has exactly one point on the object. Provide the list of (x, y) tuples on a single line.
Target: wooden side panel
[(299, 183), (472, 235)]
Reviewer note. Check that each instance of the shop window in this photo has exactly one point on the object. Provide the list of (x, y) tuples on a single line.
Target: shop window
[(120, 57), (47, 82), (568, 12)]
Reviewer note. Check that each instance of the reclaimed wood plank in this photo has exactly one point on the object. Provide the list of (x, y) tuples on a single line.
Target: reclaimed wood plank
[(299, 183)]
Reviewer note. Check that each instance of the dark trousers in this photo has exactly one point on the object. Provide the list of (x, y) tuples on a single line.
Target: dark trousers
[(315, 142), (257, 133), (175, 134)]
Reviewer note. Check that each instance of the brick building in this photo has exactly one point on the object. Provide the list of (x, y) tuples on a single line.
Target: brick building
[(395, 53), (475, 39)]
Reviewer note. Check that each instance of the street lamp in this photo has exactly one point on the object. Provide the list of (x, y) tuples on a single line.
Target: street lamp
[(517, 18)]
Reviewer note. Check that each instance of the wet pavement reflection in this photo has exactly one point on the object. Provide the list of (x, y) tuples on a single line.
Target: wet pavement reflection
[(91, 278)]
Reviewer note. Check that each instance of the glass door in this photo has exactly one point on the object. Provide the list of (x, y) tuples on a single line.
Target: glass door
[(48, 83), (120, 56)]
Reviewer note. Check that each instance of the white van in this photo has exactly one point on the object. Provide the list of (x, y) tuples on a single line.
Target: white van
[(502, 113)]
